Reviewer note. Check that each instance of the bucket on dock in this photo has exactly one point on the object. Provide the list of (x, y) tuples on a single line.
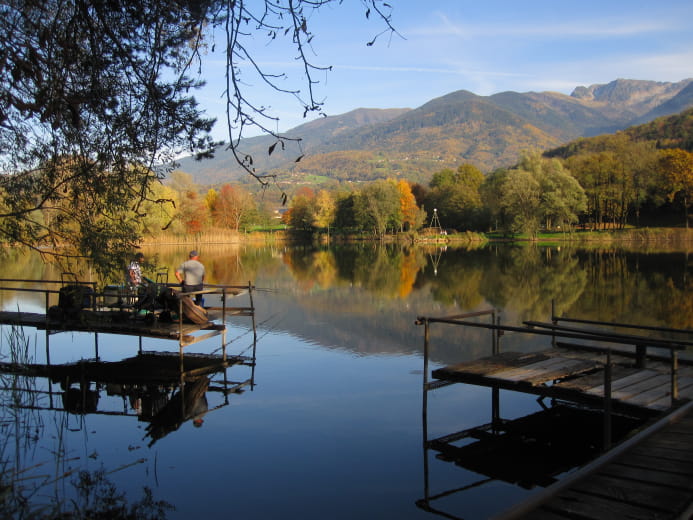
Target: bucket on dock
[(112, 295), (75, 297)]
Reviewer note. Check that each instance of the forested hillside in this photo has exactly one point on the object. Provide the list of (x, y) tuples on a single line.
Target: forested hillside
[(640, 176), (487, 131), (665, 132)]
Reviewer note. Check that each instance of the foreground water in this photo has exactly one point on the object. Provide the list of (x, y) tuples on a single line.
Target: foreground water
[(331, 426)]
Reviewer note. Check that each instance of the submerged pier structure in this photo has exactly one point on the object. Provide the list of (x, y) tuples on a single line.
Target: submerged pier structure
[(599, 384)]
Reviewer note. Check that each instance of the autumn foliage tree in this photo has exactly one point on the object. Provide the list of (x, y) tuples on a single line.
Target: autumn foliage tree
[(413, 216), (193, 213), (677, 166), (233, 205)]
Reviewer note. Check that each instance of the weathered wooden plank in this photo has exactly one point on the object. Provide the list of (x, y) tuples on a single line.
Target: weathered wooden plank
[(668, 464), (578, 505), (679, 446), (652, 389), (648, 476), (667, 450), (531, 369), (684, 426), (588, 381), (632, 492), (491, 364), (659, 397), (685, 392), (653, 476), (579, 378), (557, 368), (623, 382), (544, 514)]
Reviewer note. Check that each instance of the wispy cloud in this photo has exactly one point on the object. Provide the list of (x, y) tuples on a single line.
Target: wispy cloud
[(576, 28)]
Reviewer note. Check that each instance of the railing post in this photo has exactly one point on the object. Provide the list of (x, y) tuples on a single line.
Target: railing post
[(494, 334), (223, 324), (424, 410), (252, 309), (499, 333), (607, 402), (180, 333), (640, 356), (674, 376)]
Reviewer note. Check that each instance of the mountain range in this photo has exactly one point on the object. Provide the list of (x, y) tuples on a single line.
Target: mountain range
[(460, 127)]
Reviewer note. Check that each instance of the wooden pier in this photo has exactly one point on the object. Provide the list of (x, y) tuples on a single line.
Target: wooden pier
[(649, 476), (164, 389), (589, 367), (571, 374), (121, 317)]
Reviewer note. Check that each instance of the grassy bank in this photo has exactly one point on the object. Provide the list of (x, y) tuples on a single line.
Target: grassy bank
[(675, 237)]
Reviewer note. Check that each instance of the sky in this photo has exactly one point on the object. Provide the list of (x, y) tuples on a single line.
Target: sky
[(442, 46)]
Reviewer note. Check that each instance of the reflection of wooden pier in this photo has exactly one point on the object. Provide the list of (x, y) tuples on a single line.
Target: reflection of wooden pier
[(164, 389), (619, 375), (156, 368), (153, 386)]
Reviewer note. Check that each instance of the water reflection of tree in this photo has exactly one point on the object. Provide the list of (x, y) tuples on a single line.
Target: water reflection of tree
[(527, 279), (455, 277), (25, 484), (649, 289), (385, 270)]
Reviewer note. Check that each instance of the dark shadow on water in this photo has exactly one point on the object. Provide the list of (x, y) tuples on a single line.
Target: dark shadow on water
[(529, 452)]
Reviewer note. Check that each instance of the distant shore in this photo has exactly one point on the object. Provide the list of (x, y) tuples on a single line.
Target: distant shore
[(645, 236)]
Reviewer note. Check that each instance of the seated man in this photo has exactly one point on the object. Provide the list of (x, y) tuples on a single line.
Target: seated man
[(134, 276)]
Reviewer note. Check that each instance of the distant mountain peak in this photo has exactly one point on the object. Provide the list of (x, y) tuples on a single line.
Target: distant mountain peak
[(631, 92)]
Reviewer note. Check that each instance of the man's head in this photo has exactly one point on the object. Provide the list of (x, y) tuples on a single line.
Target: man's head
[(194, 254), (139, 257)]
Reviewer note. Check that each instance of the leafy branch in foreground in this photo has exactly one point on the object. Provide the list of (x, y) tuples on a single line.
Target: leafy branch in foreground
[(243, 21), (96, 96)]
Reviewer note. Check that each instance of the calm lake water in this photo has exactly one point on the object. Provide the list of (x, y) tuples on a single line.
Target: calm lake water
[(332, 425)]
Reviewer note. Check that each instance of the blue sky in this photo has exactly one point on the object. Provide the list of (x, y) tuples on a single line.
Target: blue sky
[(485, 47)]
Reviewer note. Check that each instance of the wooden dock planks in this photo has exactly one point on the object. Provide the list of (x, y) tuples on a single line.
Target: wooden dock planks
[(574, 375), (649, 477), (138, 327)]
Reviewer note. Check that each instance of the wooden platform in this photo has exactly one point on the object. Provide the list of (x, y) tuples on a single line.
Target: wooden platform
[(112, 322), (650, 476), (577, 376), (110, 312)]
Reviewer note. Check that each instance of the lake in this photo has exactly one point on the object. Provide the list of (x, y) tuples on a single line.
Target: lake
[(332, 425)]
